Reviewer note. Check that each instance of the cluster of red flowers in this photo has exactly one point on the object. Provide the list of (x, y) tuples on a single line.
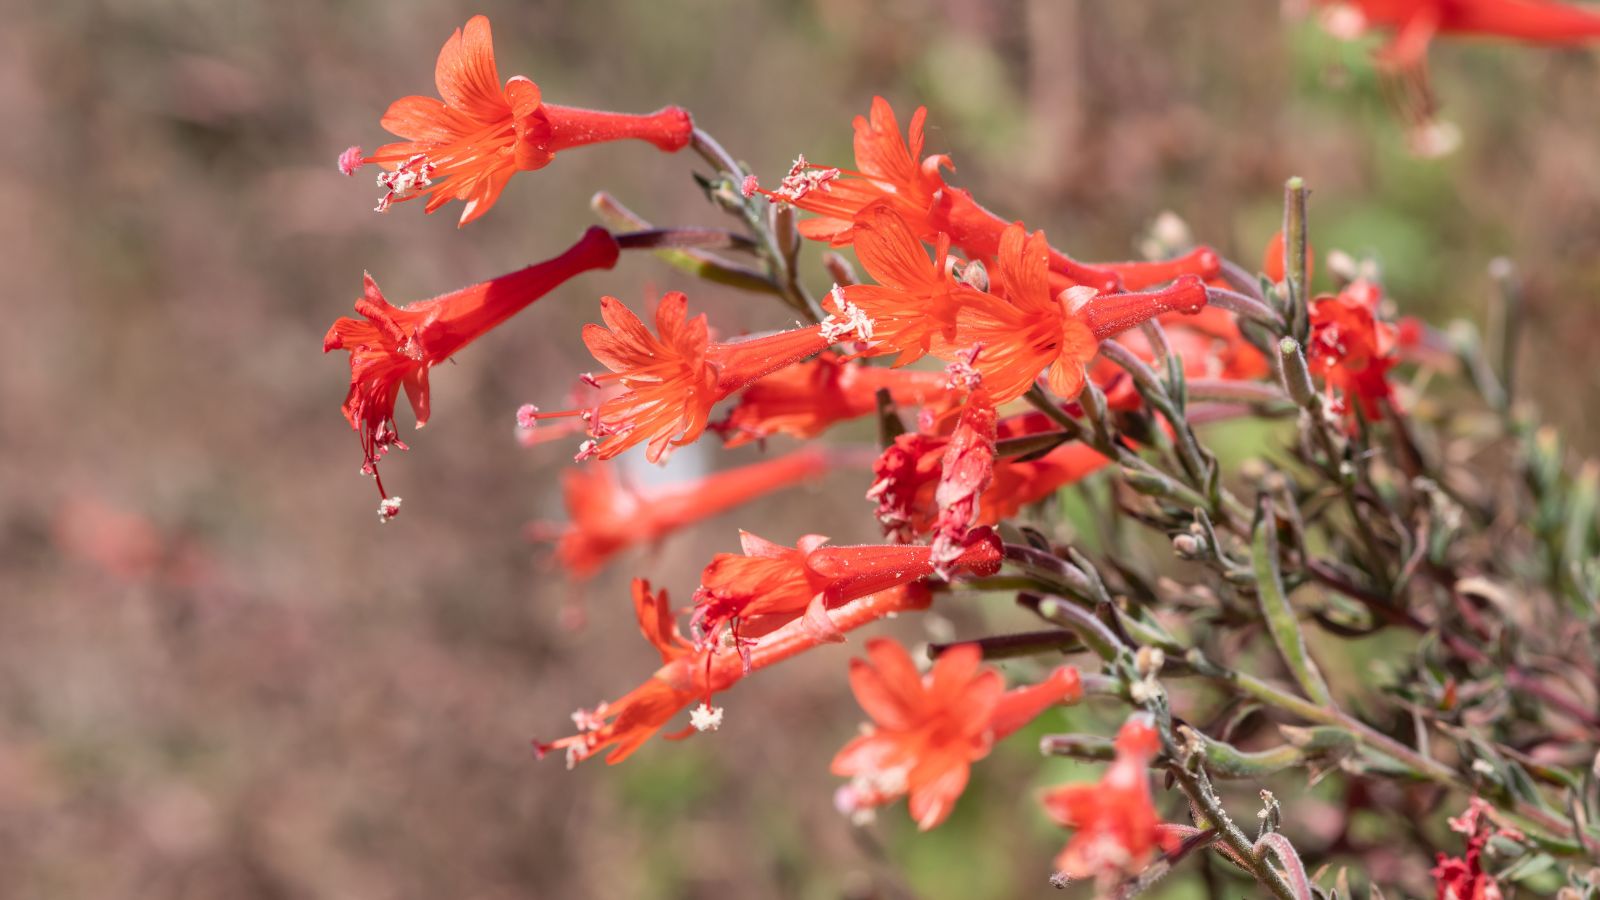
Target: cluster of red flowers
[(1012, 316)]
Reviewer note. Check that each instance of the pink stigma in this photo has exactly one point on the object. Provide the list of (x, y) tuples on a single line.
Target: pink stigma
[(350, 159)]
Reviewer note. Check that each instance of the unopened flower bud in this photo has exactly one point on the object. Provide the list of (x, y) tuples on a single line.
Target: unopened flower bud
[(1188, 546)]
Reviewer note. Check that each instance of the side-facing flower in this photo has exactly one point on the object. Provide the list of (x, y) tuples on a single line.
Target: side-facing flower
[(691, 673), (672, 379), (607, 516), (889, 171), (1352, 349), (770, 585), (468, 144), (928, 730), (1115, 819), (393, 347), (1025, 328), (805, 400)]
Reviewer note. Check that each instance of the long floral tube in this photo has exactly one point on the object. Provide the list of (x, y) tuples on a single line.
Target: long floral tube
[(691, 673), (393, 347)]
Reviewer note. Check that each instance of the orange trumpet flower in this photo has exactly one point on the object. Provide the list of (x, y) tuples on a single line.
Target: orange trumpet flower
[(467, 145), (1027, 328), (691, 672), (672, 380), (1117, 827), (393, 347), (929, 729)]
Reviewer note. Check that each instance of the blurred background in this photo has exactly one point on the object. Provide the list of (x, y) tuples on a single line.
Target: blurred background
[(220, 678)]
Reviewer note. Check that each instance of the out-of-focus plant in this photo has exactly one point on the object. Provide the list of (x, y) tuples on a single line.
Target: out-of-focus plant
[(1405, 500)]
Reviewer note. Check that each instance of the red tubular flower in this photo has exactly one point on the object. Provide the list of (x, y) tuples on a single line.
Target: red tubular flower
[(1116, 823), (965, 473), (1027, 329), (689, 673), (469, 144), (805, 400), (928, 730), (608, 517), (1351, 348), (769, 585), (672, 381), (393, 347), (888, 171)]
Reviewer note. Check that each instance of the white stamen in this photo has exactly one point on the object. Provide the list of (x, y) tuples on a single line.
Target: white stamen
[(406, 181), (850, 320), (706, 718), (388, 508)]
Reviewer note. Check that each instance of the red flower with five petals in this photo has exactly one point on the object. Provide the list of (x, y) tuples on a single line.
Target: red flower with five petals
[(672, 379), (1116, 823), (467, 145), (393, 347), (928, 730), (1025, 328)]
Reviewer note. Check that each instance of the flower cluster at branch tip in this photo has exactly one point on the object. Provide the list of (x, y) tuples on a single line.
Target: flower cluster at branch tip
[(996, 368)]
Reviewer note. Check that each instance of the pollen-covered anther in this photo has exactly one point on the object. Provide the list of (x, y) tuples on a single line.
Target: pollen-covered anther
[(406, 181), (589, 719), (388, 508), (706, 717), (350, 160), (849, 320), (749, 186), (803, 178), (587, 450)]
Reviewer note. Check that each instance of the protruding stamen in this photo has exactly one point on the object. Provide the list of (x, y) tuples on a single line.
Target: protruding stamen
[(849, 320), (406, 181), (706, 717)]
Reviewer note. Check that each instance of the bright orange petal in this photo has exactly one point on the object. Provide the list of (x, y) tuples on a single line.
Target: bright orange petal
[(466, 75)]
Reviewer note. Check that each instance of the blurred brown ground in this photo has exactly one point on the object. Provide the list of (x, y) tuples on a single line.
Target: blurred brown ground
[(220, 678)]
